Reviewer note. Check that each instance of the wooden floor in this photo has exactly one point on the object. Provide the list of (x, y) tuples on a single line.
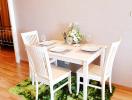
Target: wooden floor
[(12, 73)]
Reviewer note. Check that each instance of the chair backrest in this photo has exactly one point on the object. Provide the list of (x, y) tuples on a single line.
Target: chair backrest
[(108, 64), (30, 38), (40, 61)]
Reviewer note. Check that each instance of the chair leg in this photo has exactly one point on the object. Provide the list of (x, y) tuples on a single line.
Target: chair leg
[(78, 84), (37, 90), (69, 84), (110, 86), (56, 62), (51, 92), (31, 75), (103, 90), (33, 78)]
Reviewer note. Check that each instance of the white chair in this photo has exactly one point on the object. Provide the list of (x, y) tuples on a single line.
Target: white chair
[(100, 73), (45, 72), (32, 38)]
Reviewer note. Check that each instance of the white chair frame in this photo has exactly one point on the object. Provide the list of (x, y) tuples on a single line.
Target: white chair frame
[(105, 71), (32, 38), (43, 71)]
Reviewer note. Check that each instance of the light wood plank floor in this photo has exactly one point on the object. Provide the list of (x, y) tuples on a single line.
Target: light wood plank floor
[(12, 73)]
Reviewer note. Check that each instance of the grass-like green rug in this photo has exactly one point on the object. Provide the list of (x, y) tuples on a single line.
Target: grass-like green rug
[(27, 90)]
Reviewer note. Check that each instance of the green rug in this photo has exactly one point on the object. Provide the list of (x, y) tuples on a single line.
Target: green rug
[(27, 90)]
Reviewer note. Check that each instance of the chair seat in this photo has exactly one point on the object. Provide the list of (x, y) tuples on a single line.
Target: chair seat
[(58, 73), (94, 72)]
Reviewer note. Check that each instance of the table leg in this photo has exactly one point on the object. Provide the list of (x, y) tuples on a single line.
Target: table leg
[(85, 80)]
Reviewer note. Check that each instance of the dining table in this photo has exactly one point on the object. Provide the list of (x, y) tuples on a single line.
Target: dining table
[(73, 53)]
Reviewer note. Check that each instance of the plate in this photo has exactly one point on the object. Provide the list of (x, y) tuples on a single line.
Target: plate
[(58, 49), (47, 43), (90, 48)]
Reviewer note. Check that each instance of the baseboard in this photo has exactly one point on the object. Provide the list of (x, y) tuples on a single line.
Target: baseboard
[(122, 87), (24, 61)]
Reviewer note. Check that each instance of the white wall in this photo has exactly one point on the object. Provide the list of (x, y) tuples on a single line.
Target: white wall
[(106, 20)]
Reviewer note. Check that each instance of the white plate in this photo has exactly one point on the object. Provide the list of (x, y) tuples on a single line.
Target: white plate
[(47, 43), (58, 49), (90, 48)]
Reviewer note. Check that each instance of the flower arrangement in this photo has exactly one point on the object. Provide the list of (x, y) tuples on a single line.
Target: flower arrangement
[(73, 34)]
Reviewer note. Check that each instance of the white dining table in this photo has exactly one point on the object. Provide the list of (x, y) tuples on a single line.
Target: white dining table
[(74, 54)]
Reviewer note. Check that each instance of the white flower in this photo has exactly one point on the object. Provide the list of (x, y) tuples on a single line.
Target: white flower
[(72, 34), (75, 39)]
